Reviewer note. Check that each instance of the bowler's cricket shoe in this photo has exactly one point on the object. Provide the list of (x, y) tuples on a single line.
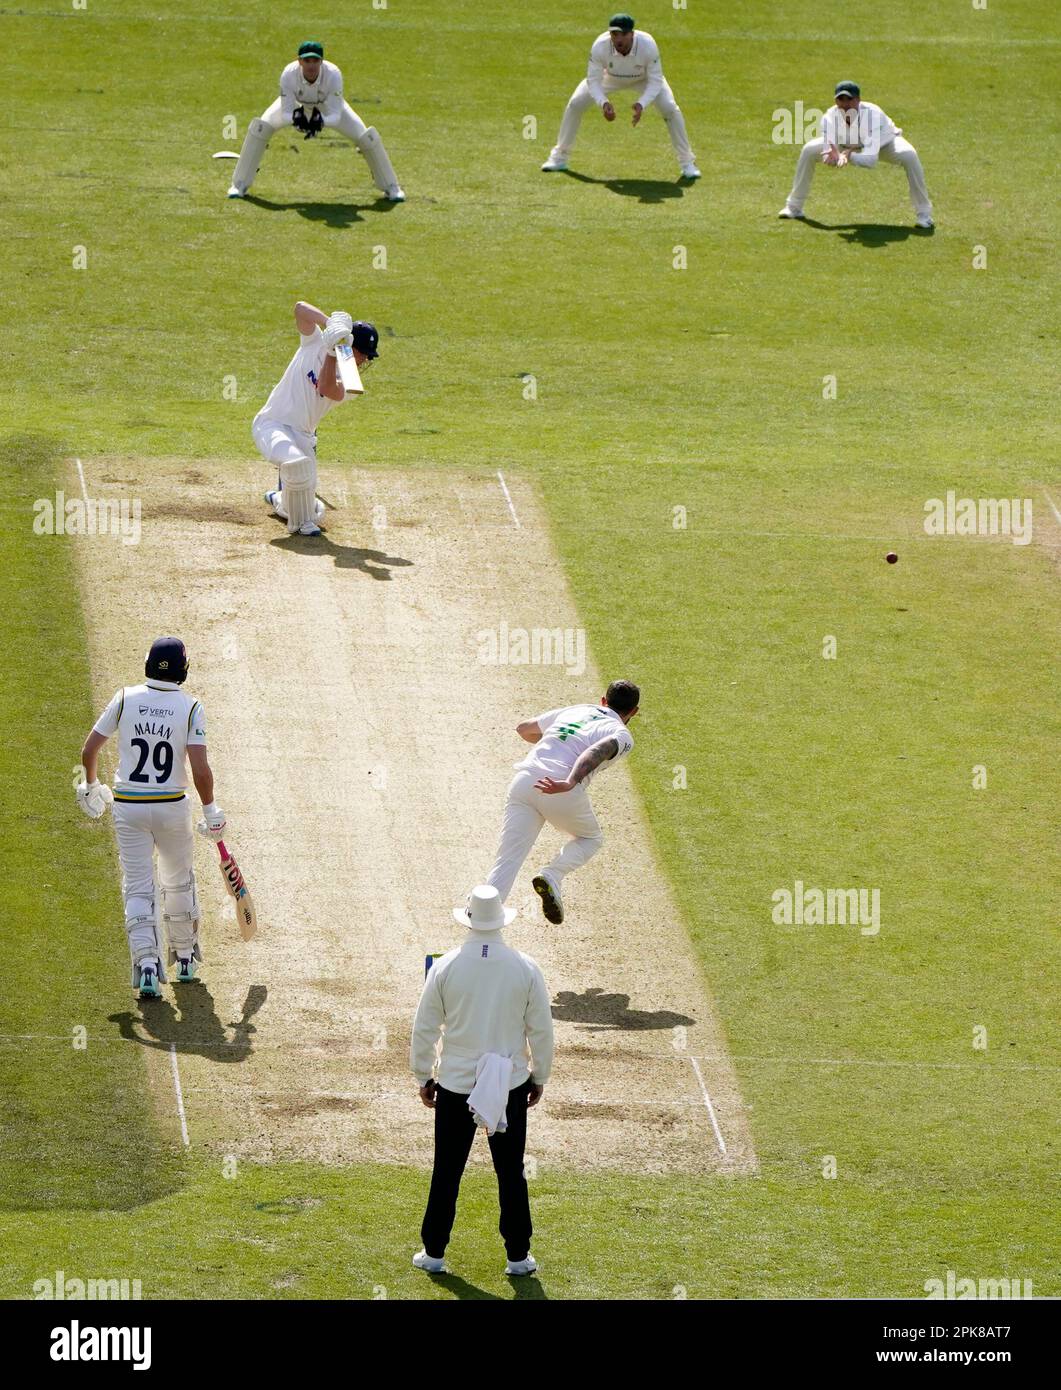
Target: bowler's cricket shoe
[(797, 215), (234, 192), (428, 1263), (690, 171), (527, 1266), (394, 194), (926, 222), (549, 892), (149, 985), (553, 165), (186, 966)]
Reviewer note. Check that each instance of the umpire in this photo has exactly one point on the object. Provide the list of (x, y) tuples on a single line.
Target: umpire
[(490, 1006)]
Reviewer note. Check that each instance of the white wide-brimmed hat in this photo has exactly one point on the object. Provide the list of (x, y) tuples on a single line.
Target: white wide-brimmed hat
[(485, 910)]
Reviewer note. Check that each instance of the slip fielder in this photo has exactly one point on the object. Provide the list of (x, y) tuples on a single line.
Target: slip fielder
[(158, 726), (857, 132), (570, 745), (623, 58), (310, 100), (285, 429)]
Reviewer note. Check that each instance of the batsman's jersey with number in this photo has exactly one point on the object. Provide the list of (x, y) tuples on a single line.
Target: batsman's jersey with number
[(294, 399), (155, 722), (567, 733)]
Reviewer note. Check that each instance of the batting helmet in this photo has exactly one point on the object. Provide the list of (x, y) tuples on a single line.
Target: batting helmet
[(167, 660), (365, 337)]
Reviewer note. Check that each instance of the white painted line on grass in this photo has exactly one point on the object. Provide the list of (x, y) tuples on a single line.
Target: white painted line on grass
[(1056, 513), (84, 485), (180, 1094), (508, 498), (710, 1108)]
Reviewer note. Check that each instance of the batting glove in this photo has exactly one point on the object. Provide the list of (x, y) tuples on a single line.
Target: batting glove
[(334, 334), (94, 798), (213, 822)]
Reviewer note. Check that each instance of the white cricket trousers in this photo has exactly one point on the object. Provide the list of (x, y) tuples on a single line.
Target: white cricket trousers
[(526, 811), (295, 454), (142, 828), (261, 131), (897, 151), (581, 100)]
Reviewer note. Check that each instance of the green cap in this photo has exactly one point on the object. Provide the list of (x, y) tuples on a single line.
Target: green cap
[(311, 49), (847, 89), (621, 23)]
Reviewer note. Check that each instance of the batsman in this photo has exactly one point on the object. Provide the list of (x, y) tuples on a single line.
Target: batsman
[(159, 727), (285, 429), (311, 100)]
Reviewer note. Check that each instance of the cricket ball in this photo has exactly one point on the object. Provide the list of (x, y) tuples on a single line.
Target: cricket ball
[(891, 557)]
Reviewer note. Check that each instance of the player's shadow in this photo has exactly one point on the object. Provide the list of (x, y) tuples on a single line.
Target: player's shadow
[(869, 233), (644, 190), (193, 1027), (524, 1287), (375, 563), (331, 214), (601, 1012)]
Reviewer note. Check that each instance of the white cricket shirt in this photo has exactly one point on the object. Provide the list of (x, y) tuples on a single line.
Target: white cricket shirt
[(867, 129), (483, 997), (567, 733), (295, 400), (155, 722), (326, 92), (641, 64)]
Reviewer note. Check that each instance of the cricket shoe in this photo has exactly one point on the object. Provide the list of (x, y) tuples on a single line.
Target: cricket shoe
[(395, 194), (234, 192), (186, 967), (273, 498), (553, 165), (308, 528), (690, 171), (549, 892), (926, 222), (428, 1263), (149, 985), (789, 211), (527, 1266)]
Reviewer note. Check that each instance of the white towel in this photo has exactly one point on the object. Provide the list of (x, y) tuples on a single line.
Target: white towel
[(489, 1095)]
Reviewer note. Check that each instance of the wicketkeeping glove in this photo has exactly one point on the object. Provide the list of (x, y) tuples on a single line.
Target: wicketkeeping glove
[(315, 124), (298, 118)]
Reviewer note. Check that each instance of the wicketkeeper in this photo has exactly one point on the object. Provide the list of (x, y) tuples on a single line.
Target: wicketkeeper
[(310, 100), (158, 726), (285, 429)]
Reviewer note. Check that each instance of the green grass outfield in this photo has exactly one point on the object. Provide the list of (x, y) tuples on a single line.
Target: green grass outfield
[(656, 388)]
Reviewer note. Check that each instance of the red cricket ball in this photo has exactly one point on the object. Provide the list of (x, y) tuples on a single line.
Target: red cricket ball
[(891, 557)]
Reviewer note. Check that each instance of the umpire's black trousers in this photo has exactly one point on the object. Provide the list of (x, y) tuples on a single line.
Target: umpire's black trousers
[(454, 1132)]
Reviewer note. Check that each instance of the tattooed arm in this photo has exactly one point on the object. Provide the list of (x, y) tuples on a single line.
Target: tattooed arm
[(588, 762)]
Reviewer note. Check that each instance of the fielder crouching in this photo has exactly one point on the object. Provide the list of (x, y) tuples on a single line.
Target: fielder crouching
[(310, 100), (158, 725), (285, 429)]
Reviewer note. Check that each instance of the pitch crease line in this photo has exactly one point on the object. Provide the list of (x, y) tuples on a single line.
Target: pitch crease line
[(508, 498), (1056, 513), (710, 1108), (84, 485), (180, 1095)]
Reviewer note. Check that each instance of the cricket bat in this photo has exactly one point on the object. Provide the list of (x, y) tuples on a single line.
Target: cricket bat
[(348, 373), (230, 872), (429, 962)]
